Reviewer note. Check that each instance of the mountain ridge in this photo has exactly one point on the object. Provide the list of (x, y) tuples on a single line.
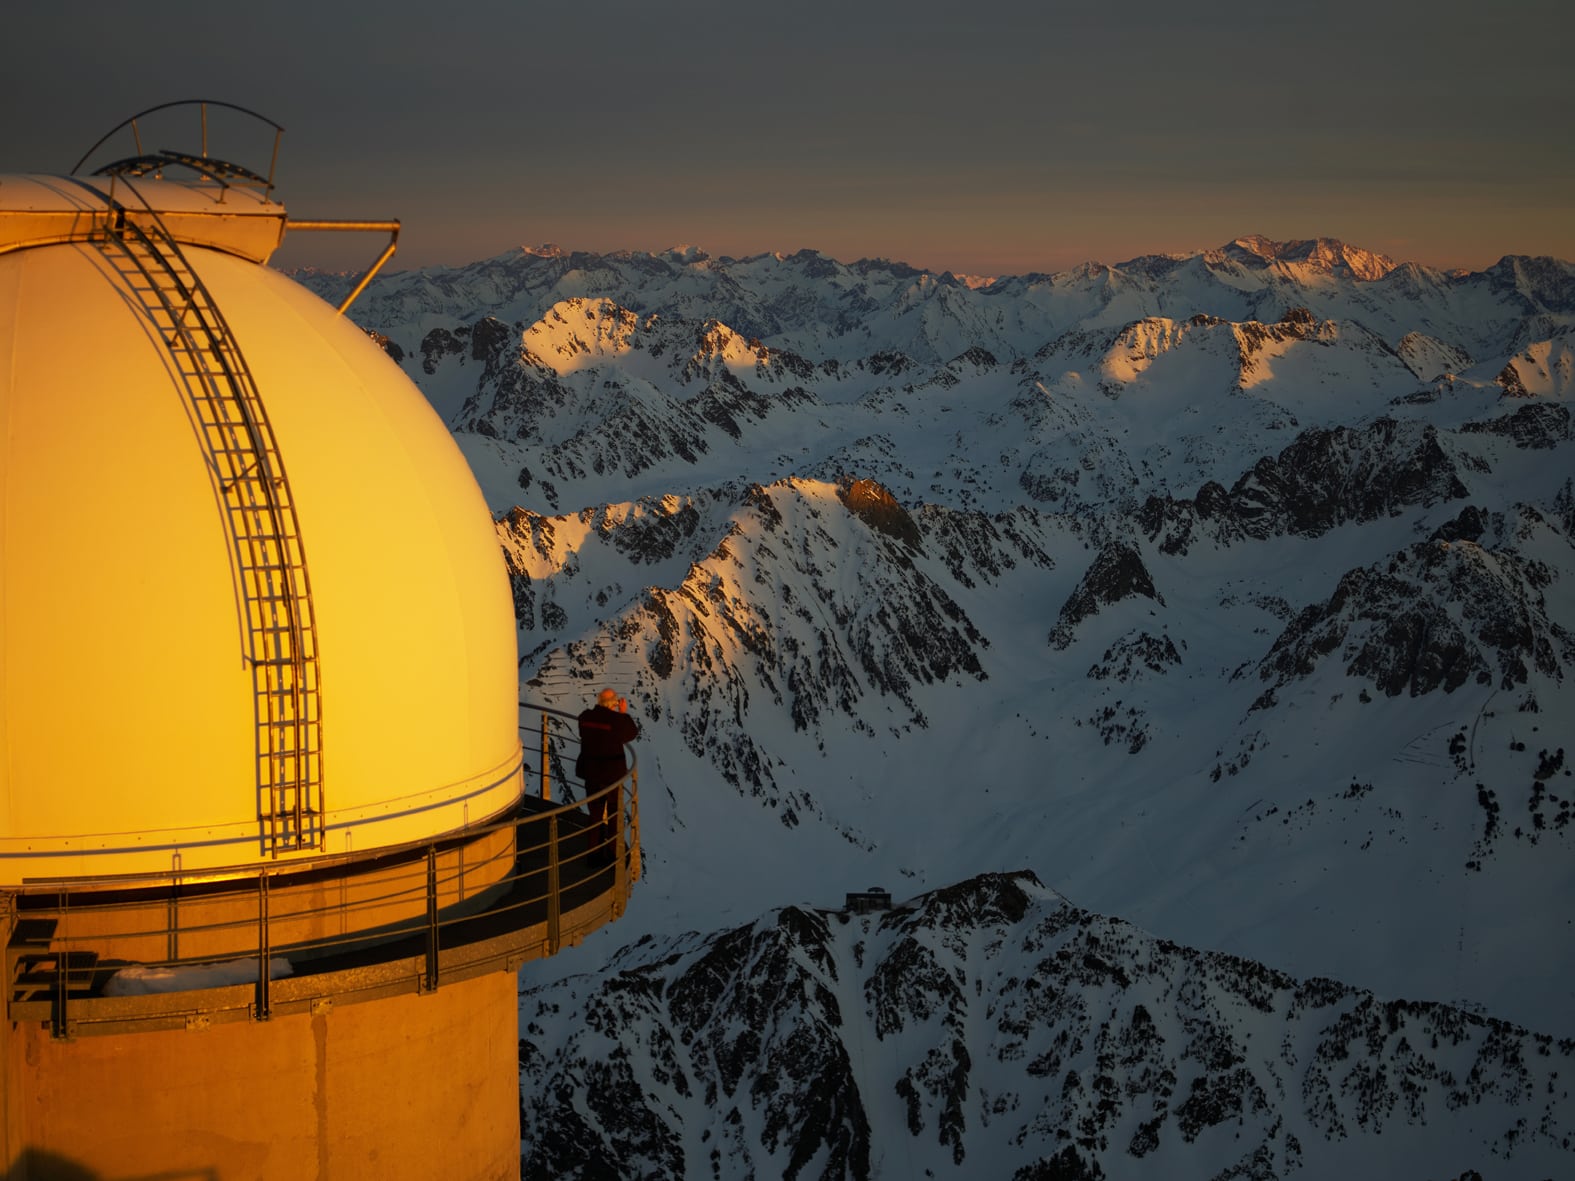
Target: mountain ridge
[(995, 1028), (813, 303)]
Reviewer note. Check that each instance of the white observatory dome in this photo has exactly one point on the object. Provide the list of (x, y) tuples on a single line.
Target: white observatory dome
[(145, 727)]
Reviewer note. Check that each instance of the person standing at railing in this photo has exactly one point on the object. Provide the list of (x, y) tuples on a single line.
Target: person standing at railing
[(604, 729)]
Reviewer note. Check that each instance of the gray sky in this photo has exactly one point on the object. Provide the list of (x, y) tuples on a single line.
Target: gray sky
[(989, 137)]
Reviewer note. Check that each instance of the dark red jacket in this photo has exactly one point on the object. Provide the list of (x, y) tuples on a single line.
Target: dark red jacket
[(603, 732)]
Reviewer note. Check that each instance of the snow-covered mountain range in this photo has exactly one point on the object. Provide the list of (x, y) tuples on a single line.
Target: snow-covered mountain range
[(1231, 595)]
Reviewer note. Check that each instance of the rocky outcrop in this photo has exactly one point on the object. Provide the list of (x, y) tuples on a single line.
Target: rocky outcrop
[(1536, 427), (440, 343), (1435, 616), (878, 509), (1116, 573), (1324, 479), (1139, 654)]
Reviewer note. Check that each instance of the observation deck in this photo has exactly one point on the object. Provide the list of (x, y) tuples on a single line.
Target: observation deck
[(350, 928)]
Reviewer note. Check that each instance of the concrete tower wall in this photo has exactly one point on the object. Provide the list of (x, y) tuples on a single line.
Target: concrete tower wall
[(417, 1087)]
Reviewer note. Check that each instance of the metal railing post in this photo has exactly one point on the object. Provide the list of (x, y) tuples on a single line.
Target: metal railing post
[(8, 921), (554, 900), (633, 824), (172, 941), (273, 161), (264, 952), (546, 761), (620, 861), (432, 920), (62, 1022)]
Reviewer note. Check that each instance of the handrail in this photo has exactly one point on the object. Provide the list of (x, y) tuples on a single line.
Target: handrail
[(389, 898), (547, 709), (354, 225), (151, 878)]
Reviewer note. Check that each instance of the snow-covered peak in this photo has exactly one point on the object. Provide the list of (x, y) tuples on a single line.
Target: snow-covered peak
[(575, 331), (1327, 255)]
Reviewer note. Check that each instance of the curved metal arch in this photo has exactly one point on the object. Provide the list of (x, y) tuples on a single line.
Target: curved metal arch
[(183, 102)]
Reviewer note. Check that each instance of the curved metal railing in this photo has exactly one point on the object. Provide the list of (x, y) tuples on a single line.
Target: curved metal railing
[(395, 919), (143, 162)]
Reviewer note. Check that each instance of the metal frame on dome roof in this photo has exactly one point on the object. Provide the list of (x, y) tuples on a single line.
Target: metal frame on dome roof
[(227, 174), (221, 171), (143, 163)]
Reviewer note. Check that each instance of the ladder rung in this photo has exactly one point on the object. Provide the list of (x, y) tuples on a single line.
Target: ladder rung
[(277, 572)]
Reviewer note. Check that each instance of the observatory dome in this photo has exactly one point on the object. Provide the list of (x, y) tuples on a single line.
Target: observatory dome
[(193, 680)]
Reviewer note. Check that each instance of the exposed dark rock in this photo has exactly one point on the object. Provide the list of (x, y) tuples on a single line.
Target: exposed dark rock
[(440, 343), (1434, 616), (1509, 379), (978, 358), (1325, 478), (1564, 506), (1468, 525), (1538, 425), (490, 339), (1066, 1165), (878, 509), (886, 363), (1126, 659), (1117, 573)]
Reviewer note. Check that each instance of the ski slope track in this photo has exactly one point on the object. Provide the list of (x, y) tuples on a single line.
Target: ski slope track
[(1187, 644)]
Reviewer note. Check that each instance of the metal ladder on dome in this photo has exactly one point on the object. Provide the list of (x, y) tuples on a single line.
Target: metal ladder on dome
[(259, 511)]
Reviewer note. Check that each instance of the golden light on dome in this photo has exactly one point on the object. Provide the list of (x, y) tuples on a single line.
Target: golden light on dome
[(258, 716), (136, 628)]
